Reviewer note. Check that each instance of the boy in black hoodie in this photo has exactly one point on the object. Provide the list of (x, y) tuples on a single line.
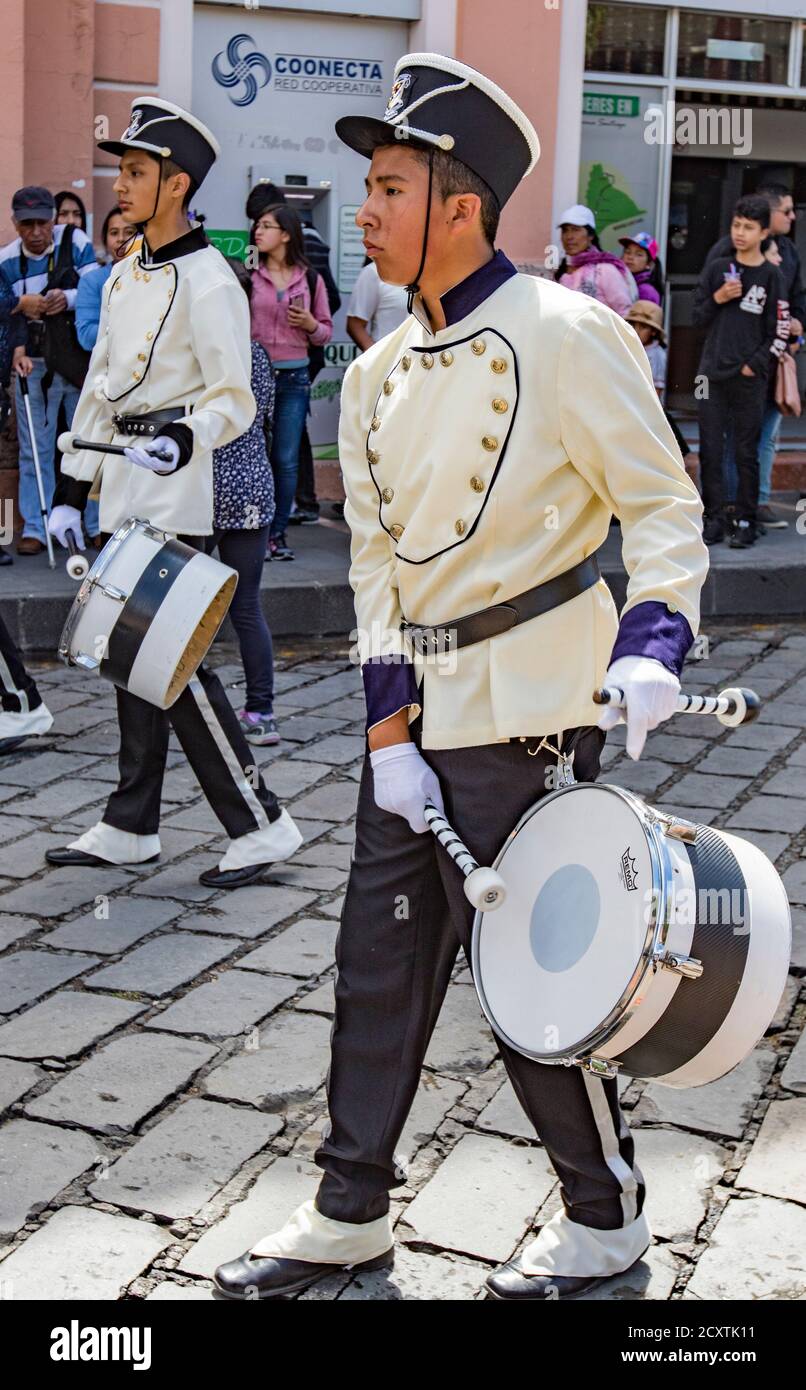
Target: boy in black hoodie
[(737, 300)]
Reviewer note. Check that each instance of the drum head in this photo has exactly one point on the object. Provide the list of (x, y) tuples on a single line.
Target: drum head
[(553, 962)]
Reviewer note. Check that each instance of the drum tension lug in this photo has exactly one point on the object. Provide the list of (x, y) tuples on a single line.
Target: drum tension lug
[(87, 663), (600, 1066), (688, 966), (682, 830)]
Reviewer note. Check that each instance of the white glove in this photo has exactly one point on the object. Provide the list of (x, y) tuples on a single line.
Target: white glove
[(403, 783), (143, 455), (650, 692), (63, 520)]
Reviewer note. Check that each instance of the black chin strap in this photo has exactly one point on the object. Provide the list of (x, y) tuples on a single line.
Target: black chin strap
[(140, 227), (414, 287)]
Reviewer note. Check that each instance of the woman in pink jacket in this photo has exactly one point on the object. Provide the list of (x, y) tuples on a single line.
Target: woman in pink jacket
[(290, 313), (589, 269)]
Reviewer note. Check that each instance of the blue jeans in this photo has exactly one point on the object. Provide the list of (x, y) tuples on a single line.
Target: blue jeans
[(45, 417), (245, 552), (290, 410), (767, 444)]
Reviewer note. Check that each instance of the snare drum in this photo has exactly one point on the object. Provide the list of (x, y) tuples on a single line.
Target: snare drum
[(147, 612), (631, 940)]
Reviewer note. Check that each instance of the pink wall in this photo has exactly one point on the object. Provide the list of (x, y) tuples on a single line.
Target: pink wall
[(12, 85), (517, 44), (58, 94)]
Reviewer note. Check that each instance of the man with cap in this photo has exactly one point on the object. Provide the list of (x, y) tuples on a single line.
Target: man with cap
[(169, 375), (26, 264), (587, 268), (484, 445)]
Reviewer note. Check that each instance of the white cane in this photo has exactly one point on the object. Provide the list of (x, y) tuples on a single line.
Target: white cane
[(37, 470)]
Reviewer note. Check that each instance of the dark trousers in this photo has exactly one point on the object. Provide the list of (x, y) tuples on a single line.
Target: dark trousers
[(211, 738), (245, 552), (739, 402), (306, 498), (405, 917), (18, 692)]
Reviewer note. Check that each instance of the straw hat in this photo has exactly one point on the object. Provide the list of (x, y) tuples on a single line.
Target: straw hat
[(644, 311)]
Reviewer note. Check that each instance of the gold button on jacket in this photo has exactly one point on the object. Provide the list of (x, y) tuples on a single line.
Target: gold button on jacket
[(583, 436)]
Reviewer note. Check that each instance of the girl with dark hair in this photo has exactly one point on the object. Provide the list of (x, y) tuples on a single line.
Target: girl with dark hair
[(641, 257), (590, 270), (70, 209), (290, 313)]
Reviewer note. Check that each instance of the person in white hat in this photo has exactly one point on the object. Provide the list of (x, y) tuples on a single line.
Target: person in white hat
[(484, 445), (587, 268)]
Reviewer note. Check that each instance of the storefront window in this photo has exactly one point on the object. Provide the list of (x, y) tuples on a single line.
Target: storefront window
[(732, 48), (625, 38)]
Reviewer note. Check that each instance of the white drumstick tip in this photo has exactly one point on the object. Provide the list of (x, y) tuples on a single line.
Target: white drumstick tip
[(747, 707), (77, 566), (485, 889)]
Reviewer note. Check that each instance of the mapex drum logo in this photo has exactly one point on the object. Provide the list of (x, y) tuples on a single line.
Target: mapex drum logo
[(244, 72), (628, 873)]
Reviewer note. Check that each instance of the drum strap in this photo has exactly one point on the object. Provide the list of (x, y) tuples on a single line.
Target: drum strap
[(140, 609), (500, 617)]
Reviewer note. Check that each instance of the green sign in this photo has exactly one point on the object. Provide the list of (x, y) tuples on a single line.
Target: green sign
[(229, 243), (610, 104)]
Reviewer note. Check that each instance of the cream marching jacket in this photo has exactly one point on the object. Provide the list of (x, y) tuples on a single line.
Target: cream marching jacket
[(174, 333), (486, 458)]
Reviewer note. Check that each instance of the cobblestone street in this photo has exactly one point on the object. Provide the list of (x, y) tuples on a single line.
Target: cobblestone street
[(163, 1047)]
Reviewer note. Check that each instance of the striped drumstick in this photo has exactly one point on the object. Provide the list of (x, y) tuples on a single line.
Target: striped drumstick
[(732, 707), (484, 888)]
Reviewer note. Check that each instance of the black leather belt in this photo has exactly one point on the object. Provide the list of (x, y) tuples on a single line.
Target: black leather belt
[(500, 617), (149, 423)]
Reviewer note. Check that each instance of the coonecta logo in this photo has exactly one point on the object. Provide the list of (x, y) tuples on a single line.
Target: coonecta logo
[(244, 69)]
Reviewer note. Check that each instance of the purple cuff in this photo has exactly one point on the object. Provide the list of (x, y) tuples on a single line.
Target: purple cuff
[(650, 629), (389, 685)]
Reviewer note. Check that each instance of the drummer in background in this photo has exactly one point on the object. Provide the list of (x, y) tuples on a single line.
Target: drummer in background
[(171, 367), (484, 445)]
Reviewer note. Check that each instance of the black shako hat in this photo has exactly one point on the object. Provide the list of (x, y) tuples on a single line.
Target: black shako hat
[(440, 103), (166, 131)]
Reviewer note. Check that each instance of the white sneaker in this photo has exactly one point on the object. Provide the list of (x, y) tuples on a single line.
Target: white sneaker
[(15, 725)]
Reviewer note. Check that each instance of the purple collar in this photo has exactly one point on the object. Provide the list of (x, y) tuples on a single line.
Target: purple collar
[(462, 299)]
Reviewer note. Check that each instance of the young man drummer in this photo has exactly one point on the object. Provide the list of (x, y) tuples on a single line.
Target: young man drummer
[(170, 373), (485, 444)]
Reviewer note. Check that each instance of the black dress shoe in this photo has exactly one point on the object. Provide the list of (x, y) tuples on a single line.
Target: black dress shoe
[(233, 878), (6, 558), (263, 1276), (509, 1282), (68, 857)]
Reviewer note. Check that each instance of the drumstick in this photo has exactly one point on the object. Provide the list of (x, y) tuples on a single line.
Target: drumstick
[(78, 564), (484, 888), (732, 707), (118, 449)]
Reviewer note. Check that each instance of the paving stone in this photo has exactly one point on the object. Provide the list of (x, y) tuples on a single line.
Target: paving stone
[(27, 975), (770, 842), (335, 801), (776, 1165), (336, 750), (708, 790), (28, 855), (64, 1025), (303, 728), (759, 736), (790, 781), (123, 1082), (321, 1000), (435, 1096), (36, 1162), (282, 1066), (795, 881), (722, 1107), (338, 856), (127, 921), (82, 1254), (288, 777), (63, 890), (482, 1198), (170, 1292), (679, 1169), (674, 750), (278, 1191), (78, 720), (755, 1251), (740, 762), (225, 1006), (798, 957), (504, 1115), (782, 711), (65, 796), (182, 1162), (305, 949), (769, 813), (797, 758), (250, 912), (15, 1079), (462, 1040), (38, 769), (179, 881), (418, 1277), (701, 815), (352, 707), (12, 827), (163, 964), (318, 696), (332, 908), (198, 817), (15, 929), (103, 742), (315, 876), (643, 777), (63, 699), (793, 1077)]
